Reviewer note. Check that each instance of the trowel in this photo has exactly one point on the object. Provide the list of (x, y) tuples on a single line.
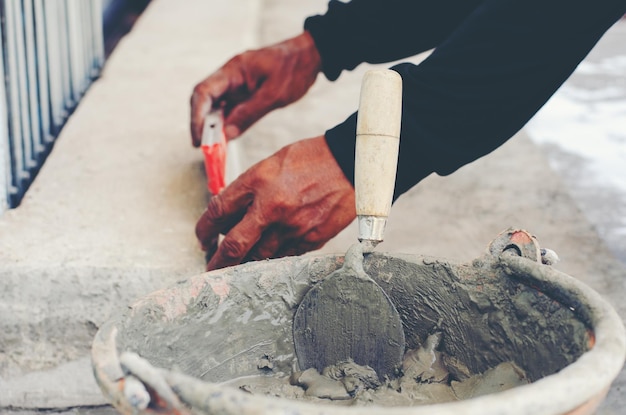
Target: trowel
[(347, 315)]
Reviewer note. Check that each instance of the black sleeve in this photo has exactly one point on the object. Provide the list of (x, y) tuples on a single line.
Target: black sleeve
[(484, 82), (377, 31)]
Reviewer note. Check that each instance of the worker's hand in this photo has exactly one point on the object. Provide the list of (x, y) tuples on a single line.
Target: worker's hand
[(288, 204), (254, 83)]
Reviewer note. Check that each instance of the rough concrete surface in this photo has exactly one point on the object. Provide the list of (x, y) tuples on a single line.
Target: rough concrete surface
[(111, 215)]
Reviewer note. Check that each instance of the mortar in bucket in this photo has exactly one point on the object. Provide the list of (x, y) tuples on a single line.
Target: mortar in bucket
[(181, 350)]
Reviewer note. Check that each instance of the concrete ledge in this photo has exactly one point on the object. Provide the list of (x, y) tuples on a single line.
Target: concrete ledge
[(123, 185)]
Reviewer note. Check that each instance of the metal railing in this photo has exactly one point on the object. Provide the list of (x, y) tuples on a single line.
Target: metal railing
[(51, 52)]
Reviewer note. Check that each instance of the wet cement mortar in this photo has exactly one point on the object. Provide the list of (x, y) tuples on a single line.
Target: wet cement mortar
[(470, 329)]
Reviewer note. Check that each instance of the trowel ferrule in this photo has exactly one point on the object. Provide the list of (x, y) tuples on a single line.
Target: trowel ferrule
[(371, 228)]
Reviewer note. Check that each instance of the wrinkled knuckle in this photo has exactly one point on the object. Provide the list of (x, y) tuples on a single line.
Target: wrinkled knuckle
[(232, 250), (202, 92), (215, 209), (198, 92), (313, 237), (265, 173), (238, 60)]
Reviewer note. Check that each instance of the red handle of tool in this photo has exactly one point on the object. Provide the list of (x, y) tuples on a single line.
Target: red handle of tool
[(214, 149), (215, 166)]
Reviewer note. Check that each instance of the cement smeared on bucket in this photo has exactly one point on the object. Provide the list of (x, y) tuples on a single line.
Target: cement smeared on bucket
[(425, 379)]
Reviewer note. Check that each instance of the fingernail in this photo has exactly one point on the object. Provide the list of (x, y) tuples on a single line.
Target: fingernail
[(231, 131)]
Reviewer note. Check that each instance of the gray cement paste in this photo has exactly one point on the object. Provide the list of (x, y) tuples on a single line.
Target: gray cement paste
[(425, 379), (348, 316), (237, 324)]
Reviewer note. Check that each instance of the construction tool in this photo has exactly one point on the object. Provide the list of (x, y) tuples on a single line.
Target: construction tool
[(213, 146), (347, 315)]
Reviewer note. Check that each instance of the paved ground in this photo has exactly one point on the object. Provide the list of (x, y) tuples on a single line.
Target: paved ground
[(581, 129), (110, 218)]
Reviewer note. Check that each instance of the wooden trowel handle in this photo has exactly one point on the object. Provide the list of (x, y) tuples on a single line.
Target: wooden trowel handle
[(376, 155)]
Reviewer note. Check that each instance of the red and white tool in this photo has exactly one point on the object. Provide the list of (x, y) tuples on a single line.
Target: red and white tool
[(214, 149)]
